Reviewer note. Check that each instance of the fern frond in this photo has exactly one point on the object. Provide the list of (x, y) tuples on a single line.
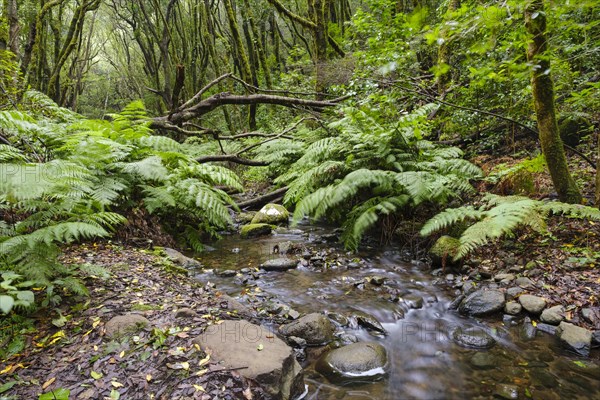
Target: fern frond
[(449, 217), (150, 168)]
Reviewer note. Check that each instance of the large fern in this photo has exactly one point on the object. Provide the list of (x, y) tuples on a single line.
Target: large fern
[(373, 168), (502, 216)]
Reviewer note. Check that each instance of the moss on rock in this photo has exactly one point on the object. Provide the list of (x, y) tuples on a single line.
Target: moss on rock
[(254, 230), (273, 214)]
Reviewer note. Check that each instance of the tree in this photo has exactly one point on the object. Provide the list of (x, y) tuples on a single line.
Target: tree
[(543, 100)]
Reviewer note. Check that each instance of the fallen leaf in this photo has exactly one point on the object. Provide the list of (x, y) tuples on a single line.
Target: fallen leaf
[(48, 382), (185, 365), (148, 378), (96, 375), (116, 384), (247, 394), (260, 347), (199, 388), (204, 360)]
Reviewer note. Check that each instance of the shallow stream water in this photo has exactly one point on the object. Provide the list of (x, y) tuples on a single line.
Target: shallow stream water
[(425, 363)]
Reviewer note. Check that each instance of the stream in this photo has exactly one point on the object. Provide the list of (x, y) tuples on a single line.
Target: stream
[(412, 305)]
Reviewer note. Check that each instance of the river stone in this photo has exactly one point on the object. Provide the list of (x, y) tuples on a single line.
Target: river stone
[(122, 324), (541, 377), (179, 259), (483, 360), (528, 330), (255, 230), (513, 292), (368, 321), (473, 337), (356, 360), (575, 338), (236, 344), (273, 214), (504, 277), (315, 328), (512, 308), (185, 312), (233, 305), (338, 318), (482, 302), (413, 301), (589, 315), (279, 264), (524, 282), (506, 391), (532, 304), (377, 280), (553, 315)]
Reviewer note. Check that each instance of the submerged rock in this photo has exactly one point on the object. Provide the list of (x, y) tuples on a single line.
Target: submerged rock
[(483, 360), (255, 230), (273, 214), (123, 324), (357, 360), (279, 264), (315, 328), (266, 359), (506, 391), (482, 302), (473, 337), (575, 338)]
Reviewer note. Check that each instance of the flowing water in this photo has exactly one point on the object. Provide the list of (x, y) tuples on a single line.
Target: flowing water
[(424, 362)]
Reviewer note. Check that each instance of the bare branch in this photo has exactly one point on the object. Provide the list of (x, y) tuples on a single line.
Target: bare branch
[(232, 158)]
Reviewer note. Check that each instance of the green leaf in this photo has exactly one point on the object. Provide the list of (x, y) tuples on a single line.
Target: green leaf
[(6, 304), (58, 394), (7, 386), (96, 375)]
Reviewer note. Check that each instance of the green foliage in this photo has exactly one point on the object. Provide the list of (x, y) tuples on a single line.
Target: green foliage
[(518, 178), (80, 182), (372, 168), (502, 216)]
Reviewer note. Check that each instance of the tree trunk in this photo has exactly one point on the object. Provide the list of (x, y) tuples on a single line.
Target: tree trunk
[(598, 175), (543, 99)]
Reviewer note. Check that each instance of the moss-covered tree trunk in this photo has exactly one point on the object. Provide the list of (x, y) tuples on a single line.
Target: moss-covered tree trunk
[(598, 175), (543, 100)]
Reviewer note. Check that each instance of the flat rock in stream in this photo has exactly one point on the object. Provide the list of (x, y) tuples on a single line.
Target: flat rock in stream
[(575, 338), (315, 328), (475, 338), (279, 264), (261, 356), (357, 360), (482, 302)]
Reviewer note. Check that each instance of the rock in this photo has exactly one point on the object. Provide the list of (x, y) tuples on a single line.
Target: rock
[(596, 338), (356, 360), (413, 301), (226, 273), (338, 318), (572, 127), (553, 315), (315, 328), (532, 304), (528, 330), (368, 321), (347, 338), (482, 302), (544, 378), (269, 361), (255, 230), (504, 277), (512, 308), (296, 341), (122, 324), (524, 282), (185, 312), (483, 360), (590, 316), (233, 305), (279, 264), (245, 217), (443, 251), (473, 337), (377, 280), (454, 304), (575, 338), (546, 328), (513, 292), (506, 391), (273, 214), (179, 259)]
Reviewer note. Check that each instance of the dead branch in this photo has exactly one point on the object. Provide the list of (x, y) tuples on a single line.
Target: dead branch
[(231, 158), (262, 200)]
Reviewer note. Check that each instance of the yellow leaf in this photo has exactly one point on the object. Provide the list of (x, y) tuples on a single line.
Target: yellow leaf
[(260, 347), (185, 365), (197, 346), (48, 383), (5, 370), (533, 323), (148, 378), (204, 360), (199, 388), (122, 354), (201, 372), (116, 384)]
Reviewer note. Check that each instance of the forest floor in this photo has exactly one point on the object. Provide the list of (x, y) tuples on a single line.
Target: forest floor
[(74, 352)]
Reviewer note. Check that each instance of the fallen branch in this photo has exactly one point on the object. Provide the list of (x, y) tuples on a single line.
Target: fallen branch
[(262, 200), (232, 158)]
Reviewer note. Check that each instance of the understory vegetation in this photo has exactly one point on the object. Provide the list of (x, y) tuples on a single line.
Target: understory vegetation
[(368, 114)]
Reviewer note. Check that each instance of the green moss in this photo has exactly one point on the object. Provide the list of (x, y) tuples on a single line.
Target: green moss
[(273, 214), (254, 230), (444, 250), (573, 127)]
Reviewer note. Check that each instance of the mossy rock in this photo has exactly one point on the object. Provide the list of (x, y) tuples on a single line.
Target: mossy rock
[(245, 217), (573, 127), (273, 214), (255, 230), (443, 252)]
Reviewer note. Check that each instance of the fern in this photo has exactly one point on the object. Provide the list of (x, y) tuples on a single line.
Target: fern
[(502, 216)]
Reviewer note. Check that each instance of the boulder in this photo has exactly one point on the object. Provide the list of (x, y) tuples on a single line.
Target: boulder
[(123, 324), (356, 360), (512, 308), (279, 264), (532, 304), (179, 259), (315, 328), (255, 230), (273, 214), (475, 338), (553, 315), (575, 338), (267, 360), (443, 251), (482, 302)]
